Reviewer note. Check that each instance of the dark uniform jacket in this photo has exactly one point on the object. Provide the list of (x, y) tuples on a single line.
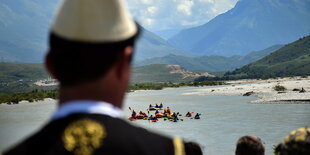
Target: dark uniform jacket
[(96, 134)]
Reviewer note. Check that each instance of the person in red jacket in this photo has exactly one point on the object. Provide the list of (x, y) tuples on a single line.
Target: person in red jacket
[(168, 110)]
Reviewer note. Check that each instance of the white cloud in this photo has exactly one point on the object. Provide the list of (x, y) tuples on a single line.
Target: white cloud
[(187, 23), (158, 15), (147, 1), (185, 7), (148, 21), (152, 10), (206, 1)]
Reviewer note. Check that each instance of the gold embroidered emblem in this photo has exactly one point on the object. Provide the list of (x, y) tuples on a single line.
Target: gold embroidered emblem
[(83, 136)]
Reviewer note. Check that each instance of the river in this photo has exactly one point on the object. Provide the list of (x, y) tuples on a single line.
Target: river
[(223, 118)]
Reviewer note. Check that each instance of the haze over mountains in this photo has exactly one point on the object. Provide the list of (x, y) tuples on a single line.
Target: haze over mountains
[(150, 46), (23, 29), (250, 26), (210, 63), (224, 43), (24, 26)]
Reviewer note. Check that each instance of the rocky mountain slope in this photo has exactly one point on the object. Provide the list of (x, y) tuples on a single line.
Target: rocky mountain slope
[(250, 26)]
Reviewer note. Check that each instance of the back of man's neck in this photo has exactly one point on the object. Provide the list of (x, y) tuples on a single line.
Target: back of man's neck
[(93, 94)]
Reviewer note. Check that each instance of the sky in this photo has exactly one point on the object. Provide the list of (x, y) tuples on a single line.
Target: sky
[(157, 15)]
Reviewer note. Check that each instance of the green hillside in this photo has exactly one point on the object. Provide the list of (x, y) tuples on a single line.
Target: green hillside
[(156, 73), (17, 80), (19, 77), (10, 72), (291, 60)]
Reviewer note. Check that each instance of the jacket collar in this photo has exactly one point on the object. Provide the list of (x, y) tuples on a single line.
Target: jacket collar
[(88, 107)]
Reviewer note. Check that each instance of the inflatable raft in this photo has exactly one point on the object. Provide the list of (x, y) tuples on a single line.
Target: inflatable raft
[(132, 119), (140, 116), (160, 115)]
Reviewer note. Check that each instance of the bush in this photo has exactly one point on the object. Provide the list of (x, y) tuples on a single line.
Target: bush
[(29, 96), (279, 88)]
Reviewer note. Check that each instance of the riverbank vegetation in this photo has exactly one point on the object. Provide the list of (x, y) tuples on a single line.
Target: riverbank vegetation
[(159, 86), (36, 95), (279, 88)]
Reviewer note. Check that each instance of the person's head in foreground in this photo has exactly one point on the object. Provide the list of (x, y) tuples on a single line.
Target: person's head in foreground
[(250, 145), (91, 48), (192, 148), (296, 143)]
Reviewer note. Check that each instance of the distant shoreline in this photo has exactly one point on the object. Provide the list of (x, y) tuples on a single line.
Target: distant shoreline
[(26, 102), (38, 95), (264, 90)]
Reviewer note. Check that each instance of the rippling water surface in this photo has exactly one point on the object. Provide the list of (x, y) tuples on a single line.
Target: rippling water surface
[(224, 119)]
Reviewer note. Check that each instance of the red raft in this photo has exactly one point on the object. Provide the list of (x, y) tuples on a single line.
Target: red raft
[(132, 119), (154, 120), (140, 116)]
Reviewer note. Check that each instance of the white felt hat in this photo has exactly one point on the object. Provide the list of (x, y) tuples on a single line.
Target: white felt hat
[(94, 21)]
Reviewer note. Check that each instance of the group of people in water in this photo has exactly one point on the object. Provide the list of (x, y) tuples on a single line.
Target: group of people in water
[(157, 106), (197, 116), (167, 114), (245, 144)]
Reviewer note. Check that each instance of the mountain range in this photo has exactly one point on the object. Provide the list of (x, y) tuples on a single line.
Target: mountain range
[(210, 63), (250, 26), (291, 60), (224, 43), (150, 45), (24, 28)]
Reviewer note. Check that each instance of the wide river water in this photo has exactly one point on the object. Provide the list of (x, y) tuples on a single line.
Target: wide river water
[(223, 119)]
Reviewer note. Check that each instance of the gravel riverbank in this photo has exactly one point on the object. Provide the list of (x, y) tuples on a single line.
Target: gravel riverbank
[(263, 89)]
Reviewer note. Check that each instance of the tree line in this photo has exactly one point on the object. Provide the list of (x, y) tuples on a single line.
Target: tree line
[(37, 95)]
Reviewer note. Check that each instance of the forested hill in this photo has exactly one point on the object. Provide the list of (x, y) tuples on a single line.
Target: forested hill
[(10, 72), (162, 73), (20, 77), (291, 60)]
